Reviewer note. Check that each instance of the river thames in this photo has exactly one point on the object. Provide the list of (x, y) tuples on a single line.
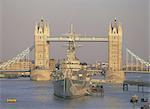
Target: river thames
[(39, 95)]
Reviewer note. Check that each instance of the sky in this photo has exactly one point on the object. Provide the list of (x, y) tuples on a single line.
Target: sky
[(149, 33), (0, 30), (91, 17)]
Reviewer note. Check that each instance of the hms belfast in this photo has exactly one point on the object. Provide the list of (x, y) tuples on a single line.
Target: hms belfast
[(70, 79)]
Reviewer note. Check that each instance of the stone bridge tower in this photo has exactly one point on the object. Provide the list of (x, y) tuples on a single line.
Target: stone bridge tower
[(41, 53), (115, 73)]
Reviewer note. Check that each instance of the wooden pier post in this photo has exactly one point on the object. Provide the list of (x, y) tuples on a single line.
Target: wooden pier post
[(125, 87)]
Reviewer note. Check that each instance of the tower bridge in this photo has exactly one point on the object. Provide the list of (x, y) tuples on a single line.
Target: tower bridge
[(42, 39)]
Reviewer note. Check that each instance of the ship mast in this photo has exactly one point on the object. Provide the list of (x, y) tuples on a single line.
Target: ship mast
[(72, 45)]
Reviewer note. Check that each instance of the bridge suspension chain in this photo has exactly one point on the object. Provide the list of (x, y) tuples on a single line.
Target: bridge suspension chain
[(138, 59), (19, 57)]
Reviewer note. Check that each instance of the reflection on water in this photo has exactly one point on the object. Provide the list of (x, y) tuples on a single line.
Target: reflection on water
[(39, 95)]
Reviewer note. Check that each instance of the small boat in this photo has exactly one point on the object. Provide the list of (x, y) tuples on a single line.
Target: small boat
[(134, 99), (11, 100), (144, 99), (97, 90), (146, 106)]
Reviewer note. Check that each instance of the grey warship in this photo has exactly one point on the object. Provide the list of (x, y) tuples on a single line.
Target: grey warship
[(71, 79)]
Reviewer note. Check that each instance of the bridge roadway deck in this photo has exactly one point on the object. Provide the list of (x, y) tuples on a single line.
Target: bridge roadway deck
[(15, 71), (77, 39), (127, 82), (137, 83), (142, 72)]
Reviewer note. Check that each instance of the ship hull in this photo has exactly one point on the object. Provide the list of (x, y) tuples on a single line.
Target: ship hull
[(68, 88)]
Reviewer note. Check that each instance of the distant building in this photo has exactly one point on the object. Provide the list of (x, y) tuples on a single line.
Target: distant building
[(20, 65)]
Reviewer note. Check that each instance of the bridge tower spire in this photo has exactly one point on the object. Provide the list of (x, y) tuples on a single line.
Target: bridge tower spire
[(115, 52), (41, 45), (41, 53)]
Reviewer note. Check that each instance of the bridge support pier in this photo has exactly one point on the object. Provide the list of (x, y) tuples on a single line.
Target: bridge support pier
[(115, 76), (125, 87), (139, 88), (40, 75)]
